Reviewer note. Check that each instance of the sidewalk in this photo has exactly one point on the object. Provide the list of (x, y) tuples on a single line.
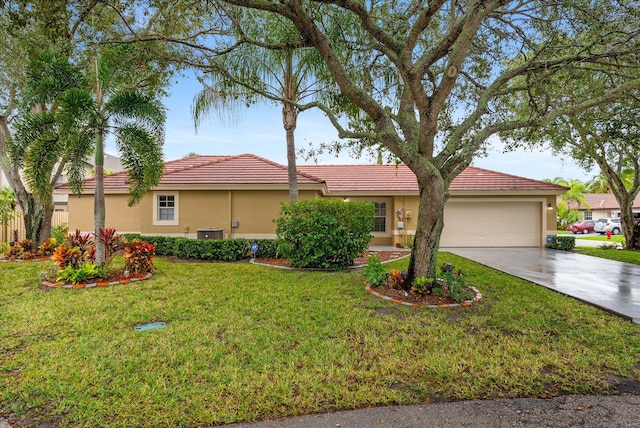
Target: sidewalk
[(564, 411)]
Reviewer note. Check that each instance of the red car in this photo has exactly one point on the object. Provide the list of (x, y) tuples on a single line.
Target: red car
[(584, 226)]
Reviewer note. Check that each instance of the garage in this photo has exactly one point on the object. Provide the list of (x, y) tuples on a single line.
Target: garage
[(492, 223)]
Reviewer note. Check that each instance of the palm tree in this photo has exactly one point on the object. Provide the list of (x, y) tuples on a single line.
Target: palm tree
[(575, 194), (599, 184), (49, 137), (136, 120), (85, 114), (252, 74)]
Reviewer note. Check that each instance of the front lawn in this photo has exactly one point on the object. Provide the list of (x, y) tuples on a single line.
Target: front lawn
[(618, 255), (246, 342), (614, 238)]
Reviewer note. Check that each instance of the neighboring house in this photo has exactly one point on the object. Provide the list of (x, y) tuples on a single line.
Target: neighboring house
[(240, 196), (601, 205), (111, 163)]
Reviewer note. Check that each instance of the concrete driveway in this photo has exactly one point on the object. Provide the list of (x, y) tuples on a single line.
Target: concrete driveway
[(610, 285)]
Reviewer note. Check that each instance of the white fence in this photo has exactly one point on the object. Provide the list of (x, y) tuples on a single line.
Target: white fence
[(17, 224)]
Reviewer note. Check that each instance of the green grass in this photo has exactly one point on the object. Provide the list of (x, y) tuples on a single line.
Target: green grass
[(245, 342), (614, 238), (618, 255)]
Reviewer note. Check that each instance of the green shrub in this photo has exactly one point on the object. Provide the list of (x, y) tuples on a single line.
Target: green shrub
[(60, 233), (611, 246), (83, 273), (216, 249), (562, 242), (267, 248), (201, 249), (324, 233), (374, 271), (162, 244), (453, 284), (138, 256), (422, 285)]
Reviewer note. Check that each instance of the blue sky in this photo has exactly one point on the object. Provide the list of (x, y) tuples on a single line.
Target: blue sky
[(259, 131)]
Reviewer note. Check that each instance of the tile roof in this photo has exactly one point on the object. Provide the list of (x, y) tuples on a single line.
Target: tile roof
[(474, 178), (344, 178), (399, 178), (240, 169), (603, 201), (252, 169)]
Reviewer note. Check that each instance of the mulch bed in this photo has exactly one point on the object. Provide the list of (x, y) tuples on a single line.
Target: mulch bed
[(115, 277), (426, 299)]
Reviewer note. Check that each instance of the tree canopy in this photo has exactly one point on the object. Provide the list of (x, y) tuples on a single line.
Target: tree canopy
[(431, 82)]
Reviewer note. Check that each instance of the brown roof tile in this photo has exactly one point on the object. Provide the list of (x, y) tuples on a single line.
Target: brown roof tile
[(603, 201), (240, 169), (252, 169), (399, 178)]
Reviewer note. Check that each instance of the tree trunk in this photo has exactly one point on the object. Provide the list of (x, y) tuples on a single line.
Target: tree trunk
[(429, 227), (289, 119), (37, 218), (98, 197), (626, 222)]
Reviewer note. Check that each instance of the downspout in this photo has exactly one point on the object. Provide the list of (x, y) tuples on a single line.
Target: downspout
[(230, 213)]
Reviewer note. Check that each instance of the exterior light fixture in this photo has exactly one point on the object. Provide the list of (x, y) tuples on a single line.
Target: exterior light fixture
[(549, 206)]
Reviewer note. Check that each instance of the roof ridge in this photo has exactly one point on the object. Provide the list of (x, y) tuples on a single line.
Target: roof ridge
[(216, 159), (284, 167)]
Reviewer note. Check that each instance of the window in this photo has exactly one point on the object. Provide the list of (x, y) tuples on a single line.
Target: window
[(165, 209), (588, 215), (380, 219)]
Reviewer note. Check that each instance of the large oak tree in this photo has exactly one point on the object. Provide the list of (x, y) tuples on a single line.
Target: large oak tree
[(433, 80)]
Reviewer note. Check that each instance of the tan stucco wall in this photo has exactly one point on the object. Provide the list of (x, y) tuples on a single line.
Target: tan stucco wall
[(117, 214), (254, 210), (197, 209)]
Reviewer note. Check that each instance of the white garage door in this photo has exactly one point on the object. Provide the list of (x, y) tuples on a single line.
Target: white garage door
[(491, 224)]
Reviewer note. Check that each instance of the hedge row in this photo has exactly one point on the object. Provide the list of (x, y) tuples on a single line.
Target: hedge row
[(562, 242), (202, 249)]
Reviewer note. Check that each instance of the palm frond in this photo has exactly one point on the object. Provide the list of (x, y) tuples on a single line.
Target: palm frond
[(40, 161), (77, 108), (31, 127), (80, 146), (126, 107), (48, 77), (143, 158)]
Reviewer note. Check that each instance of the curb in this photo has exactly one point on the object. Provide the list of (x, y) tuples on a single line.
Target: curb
[(95, 284), (463, 304)]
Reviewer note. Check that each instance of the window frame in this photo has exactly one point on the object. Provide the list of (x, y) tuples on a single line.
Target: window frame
[(384, 217), (156, 209)]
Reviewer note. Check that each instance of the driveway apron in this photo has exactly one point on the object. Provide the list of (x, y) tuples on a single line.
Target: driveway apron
[(610, 285)]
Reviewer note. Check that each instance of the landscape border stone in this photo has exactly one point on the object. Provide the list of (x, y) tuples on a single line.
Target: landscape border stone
[(462, 304), (51, 284)]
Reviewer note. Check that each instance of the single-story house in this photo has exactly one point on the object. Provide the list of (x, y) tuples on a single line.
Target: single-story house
[(601, 205), (240, 196)]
